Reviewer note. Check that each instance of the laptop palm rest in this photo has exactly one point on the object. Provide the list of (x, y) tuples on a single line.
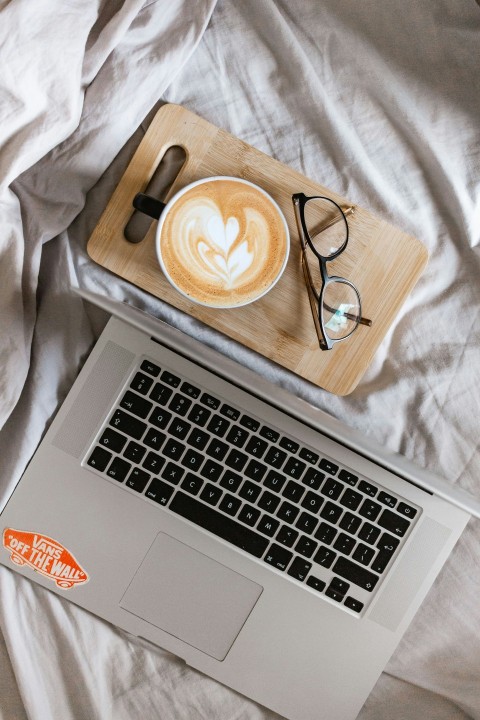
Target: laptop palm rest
[(190, 596)]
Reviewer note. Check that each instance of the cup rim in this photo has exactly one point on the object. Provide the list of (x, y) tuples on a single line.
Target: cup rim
[(177, 196)]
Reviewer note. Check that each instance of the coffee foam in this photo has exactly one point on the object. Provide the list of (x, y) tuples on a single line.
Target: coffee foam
[(223, 243)]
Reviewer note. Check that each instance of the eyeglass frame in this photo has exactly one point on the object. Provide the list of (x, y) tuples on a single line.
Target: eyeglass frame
[(316, 298)]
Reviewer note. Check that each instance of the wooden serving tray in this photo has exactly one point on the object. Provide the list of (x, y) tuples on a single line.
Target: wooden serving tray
[(381, 260)]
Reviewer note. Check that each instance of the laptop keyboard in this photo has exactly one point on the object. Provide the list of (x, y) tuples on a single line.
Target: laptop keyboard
[(250, 484)]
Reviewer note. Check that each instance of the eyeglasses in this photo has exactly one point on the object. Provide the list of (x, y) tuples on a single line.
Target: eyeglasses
[(323, 230)]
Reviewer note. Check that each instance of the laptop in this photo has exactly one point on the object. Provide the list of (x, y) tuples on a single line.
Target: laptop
[(197, 506)]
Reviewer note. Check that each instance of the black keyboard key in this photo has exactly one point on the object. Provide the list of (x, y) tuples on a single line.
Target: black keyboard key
[(293, 491), (179, 428), (150, 368), (237, 436), (312, 502), (406, 510), (170, 379), (199, 415), (287, 535), (287, 512), (154, 439), (256, 446), (160, 417), (288, 444), (211, 494), (211, 470), (355, 573), (99, 459), (135, 404), (350, 523), (192, 460), (255, 470), (141, 383), (180, 404), (153, 462), (331, 512), (192, 483), (198, 438), (309, 455), (249, 491), (324, 556), (393, 523), (348, 477), (386, 549), (236, 460), (190, 390), (339, 586), (268, 525), (173, 473), (112, 440), (344, 544), (249, 515), (315, 583), (299, 569), (173, 449), (217, 449), (274, 481), (369, 533), (249, 423), (159, 491), (118, 469), (351, 499), (218, 524), (367, 488), (128, 424), (218, 425), (268, 501), (231, 481), (332, 488), (134, 452), (275, 457), (313, 478), (294, 468), (334, 595), (387, 499), (353, 604), (370, 509), (269, 434), (138, 479), (328, 466), (278, 556), (230, 412), (230, 504), (364, 554), (161, 393), (306, 546), (210, 401), (326, 533), (306, 523)]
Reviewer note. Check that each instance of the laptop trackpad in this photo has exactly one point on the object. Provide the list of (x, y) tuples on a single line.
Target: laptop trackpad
[(190, 596)]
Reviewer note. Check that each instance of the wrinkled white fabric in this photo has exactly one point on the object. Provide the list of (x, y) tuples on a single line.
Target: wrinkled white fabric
[(378, 101)]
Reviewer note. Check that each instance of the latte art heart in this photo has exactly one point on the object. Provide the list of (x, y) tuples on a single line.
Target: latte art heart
[(223, 243)]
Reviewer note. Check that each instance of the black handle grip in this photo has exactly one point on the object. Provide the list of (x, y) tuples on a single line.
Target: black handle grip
[(148, 205)]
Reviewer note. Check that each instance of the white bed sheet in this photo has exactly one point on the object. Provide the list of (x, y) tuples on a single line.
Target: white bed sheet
[(380, 102)]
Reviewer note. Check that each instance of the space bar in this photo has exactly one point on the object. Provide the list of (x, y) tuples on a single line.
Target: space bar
[(218, 524)]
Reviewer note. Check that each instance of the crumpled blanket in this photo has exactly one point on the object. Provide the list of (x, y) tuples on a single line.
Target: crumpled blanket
[(378, 101)]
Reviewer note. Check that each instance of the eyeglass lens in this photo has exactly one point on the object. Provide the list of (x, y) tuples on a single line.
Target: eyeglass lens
[(326, 226)]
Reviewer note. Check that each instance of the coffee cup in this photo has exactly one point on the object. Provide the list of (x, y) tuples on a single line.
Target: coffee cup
[(221, 242)]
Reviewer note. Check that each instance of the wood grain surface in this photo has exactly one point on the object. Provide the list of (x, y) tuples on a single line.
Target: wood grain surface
[(382, 261)]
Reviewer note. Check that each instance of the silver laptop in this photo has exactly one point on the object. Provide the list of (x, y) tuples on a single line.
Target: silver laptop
[(190, 502)]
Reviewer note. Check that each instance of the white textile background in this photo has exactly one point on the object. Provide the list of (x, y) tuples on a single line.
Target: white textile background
[(380, 102)]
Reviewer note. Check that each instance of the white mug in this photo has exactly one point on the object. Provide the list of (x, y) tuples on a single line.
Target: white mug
[(221, 242)]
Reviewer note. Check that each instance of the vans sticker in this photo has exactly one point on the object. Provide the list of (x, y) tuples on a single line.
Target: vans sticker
[(45, 556)]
